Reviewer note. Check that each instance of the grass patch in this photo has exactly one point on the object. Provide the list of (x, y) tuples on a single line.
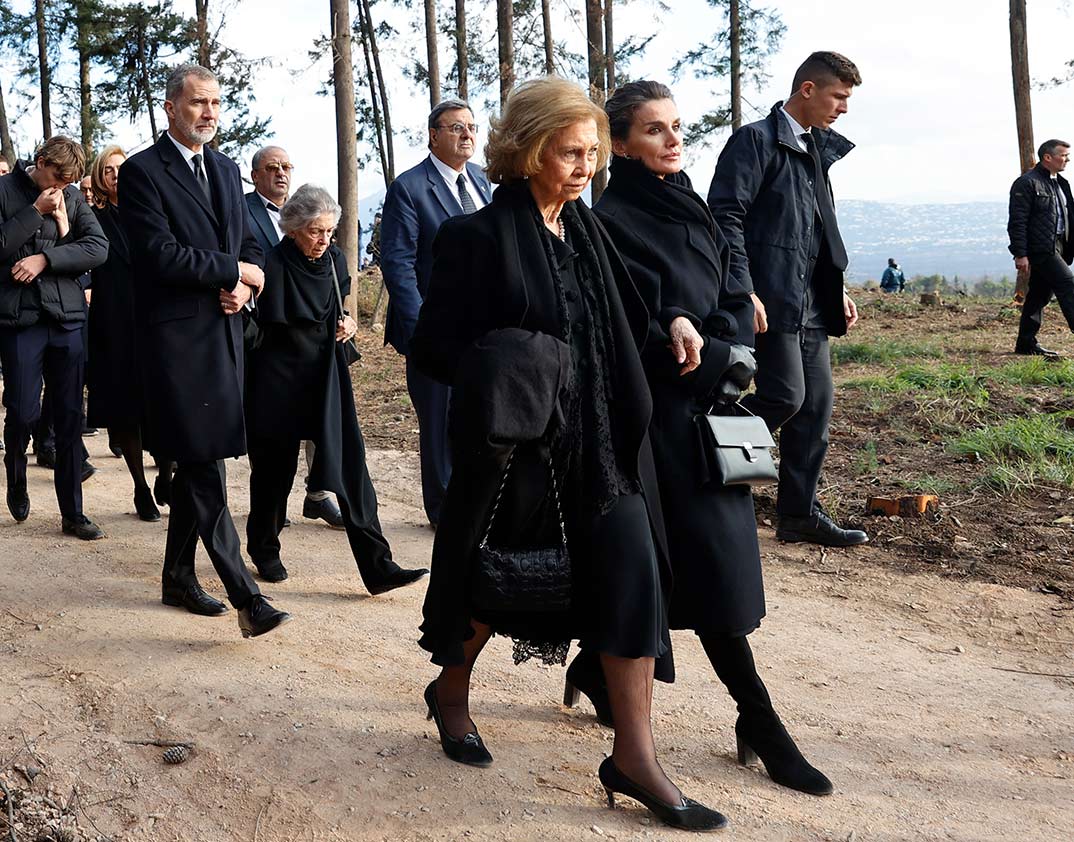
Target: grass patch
[(1036, 371), (948, 381), (928, 484), (1023, 452), (866, 463), (881, 351)]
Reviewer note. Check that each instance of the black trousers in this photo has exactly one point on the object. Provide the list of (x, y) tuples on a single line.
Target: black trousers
[(1049, 275), (199, 509), (272, 473), (431, 401), (44, 352), (794, 395)]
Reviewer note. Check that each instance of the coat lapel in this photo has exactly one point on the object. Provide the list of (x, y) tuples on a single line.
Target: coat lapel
[(261, 217), (180, 172), (439, 189), (477, 175), (221, 194)]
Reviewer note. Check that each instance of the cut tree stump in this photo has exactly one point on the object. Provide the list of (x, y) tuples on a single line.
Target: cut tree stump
[(912, 505)]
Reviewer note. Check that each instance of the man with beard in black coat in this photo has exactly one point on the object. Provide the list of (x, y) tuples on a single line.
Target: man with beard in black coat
[(197, 265), (772, 199)]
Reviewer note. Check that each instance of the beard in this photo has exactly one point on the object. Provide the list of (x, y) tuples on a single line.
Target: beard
[(191, 131)]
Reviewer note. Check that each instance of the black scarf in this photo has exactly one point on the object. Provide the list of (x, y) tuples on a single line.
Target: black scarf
[(672, 196), (297, 289), (588, 435)]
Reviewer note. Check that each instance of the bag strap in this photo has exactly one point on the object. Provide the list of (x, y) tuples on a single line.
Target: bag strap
[(737, 404), (499, 496), (335, 285)]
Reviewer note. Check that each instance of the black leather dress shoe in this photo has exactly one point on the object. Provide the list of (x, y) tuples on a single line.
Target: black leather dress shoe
[(46, 458), (469, 749), (398, 579), (1038, 351), (143, 505), (87, 470), (89, 432), (271, 571), (325, 510), (259, 617), (18, 502), (81, 527), (194, 600), (818, 528)]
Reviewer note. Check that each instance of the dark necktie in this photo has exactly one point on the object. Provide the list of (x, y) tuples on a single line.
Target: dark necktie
[(825, 206), (199, 177), (465, 199)]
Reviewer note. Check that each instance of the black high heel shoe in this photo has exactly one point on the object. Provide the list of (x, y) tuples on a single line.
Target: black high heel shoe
[(584, 675), (143, 505), (689, 815), (470, 749), (782, 760)]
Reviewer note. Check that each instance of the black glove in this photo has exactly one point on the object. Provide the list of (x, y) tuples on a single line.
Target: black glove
[(736, 378)]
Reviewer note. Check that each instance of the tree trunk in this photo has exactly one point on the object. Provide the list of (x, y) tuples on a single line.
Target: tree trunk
[(146, 85), (87, 119), (736, 64), (201, 12), (43, 69), (461, 57), (434, 58), (346, 136), (505, 32), (549, 55), (1023, 111), (609, 46), (389, 176), (7, 150), (378, 120), (598, 69)]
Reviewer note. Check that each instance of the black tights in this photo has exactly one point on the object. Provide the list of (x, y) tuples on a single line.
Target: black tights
[(129, 441), (732, 659)]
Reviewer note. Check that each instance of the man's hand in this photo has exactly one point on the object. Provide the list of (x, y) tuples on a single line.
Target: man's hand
[(760, 316), (63, 224), (850, 310), (686, 344), (345, 329), (1021, 265), (49, 200), (29, 268), (232, 302), (251, 275)]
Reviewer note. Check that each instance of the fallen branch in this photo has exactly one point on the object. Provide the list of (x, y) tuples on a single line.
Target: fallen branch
[(160, 743), (10, 811), (257, 824), (1031, 672), (11, 613)]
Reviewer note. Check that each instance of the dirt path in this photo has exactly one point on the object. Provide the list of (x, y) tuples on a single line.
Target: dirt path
[(317, 732)]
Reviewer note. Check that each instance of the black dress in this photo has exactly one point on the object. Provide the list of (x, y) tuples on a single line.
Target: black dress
[(679, 261), (298, 387), (501, 268), (112, 376)]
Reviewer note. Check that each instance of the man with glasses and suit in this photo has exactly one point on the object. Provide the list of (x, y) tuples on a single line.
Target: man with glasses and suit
[(270, 171), (443, 185)]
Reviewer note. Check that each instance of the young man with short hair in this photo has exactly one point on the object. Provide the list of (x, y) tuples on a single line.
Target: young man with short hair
[(772, 199)]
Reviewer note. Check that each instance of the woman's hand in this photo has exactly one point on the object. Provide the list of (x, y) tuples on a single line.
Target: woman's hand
[(760, 316), (345, 329), (63, 225), (686, 344), (850, 311)]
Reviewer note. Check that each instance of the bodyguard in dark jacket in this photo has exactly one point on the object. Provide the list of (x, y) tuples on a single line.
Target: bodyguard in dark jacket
[(196, 264), (679, 261), (49, 237), (1039, 226), (772, 199)]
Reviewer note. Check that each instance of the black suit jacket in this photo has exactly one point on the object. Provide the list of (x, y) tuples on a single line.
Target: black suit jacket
[(184, 250), (263, 229)]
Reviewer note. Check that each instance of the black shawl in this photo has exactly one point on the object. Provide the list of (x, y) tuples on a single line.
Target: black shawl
[(302, 289)]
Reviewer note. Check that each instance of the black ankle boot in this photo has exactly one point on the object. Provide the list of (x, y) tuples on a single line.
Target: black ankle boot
[(584, 675), (759, 731)]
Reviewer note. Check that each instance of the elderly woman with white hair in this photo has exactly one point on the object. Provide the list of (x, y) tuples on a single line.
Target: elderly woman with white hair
[(298, 388)]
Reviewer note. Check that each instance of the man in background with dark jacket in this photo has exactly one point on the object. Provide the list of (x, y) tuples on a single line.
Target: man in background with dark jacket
[(49, 237), (1038, 224), (772, 199)]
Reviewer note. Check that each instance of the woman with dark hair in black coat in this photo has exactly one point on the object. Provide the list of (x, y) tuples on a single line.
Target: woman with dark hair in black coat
[(679, 261)]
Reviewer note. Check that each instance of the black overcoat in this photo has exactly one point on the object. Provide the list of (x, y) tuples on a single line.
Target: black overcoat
[(184, 250), (490, 271), (113, 378), (681, 268)]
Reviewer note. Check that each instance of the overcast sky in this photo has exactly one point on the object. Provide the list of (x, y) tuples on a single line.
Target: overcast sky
[(933, 121)]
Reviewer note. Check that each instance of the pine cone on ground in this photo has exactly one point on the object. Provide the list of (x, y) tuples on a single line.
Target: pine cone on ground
[(176, 754)]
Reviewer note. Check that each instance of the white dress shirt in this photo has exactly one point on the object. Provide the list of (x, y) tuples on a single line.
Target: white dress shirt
[(451, 178), (273, 212), (188, 155), (797, 128)]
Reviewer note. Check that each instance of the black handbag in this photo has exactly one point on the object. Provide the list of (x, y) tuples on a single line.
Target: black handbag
[(739, 448), (351, 354), (522, 580)]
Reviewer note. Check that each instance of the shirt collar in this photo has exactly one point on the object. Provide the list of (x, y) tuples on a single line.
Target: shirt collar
[(796, 127), (445, 171), (185, 151), (268, 203)]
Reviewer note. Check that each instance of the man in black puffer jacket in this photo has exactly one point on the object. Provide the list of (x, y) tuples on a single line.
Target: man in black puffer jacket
[(1038, 224), (49, 237)]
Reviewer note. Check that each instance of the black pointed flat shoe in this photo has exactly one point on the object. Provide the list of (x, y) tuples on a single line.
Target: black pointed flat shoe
[(688, 815), (470, 749)]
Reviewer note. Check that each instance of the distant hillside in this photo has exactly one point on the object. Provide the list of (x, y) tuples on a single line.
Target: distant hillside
[(967, 239)]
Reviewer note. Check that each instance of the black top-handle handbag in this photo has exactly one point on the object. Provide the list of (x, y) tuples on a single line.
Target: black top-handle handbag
[(350, 348), (522, 580), (738, 448)]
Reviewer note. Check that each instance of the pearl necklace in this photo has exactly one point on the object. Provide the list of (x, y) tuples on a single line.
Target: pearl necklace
[(562, 234)]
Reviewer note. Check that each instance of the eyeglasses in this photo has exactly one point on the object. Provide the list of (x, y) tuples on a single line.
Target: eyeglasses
[(458, 128), (275, 167)]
